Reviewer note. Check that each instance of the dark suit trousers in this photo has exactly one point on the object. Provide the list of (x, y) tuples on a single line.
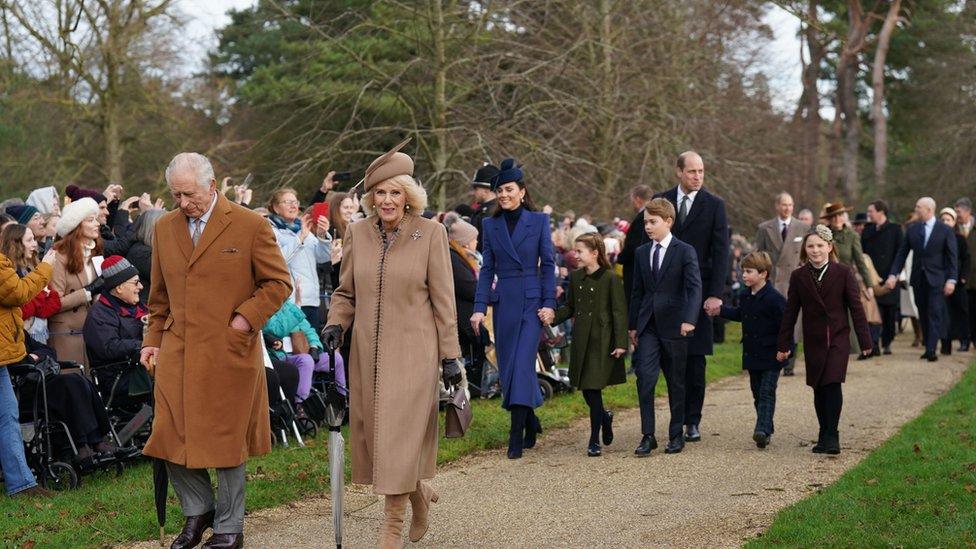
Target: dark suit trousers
[(763, 384), (932, 313), (889, 323), (654, 354), (972, 315), (694, 389)]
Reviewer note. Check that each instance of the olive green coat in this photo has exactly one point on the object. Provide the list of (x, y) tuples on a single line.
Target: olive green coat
[(847, 244), (599, 307)]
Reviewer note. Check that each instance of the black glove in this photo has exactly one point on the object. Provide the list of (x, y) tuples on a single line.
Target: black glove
[(315, 352), (451, 374), (96, 286), (332, 337)]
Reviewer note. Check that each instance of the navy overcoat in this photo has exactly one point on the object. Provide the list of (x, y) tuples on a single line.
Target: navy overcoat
[(526, 281)]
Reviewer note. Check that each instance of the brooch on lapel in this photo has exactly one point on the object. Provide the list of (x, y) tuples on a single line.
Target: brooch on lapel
[(416, 234)]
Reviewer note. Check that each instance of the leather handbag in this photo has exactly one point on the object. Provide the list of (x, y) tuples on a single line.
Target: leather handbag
[(299, 343), (457, 414)]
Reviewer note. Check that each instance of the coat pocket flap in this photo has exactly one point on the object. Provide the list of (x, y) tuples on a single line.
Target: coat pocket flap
[(168, 323)]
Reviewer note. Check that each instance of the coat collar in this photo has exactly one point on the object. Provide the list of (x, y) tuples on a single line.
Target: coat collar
[(218, 222), (511, 242), (697, 206)]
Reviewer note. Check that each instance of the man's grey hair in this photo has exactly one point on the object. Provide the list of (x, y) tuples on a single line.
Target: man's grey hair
[(192, 162), (145, 224), (928, 201), (782, 195), (964, 202)]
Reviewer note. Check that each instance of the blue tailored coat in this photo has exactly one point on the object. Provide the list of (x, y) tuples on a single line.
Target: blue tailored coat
[(524, 265), (761, 315)]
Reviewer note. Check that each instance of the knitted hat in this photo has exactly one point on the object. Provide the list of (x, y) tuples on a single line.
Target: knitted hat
[(484, 175), (116, 270), (462, 232), (22, 214), (390, 164), (75, 192), (74, 213), (945, 211)]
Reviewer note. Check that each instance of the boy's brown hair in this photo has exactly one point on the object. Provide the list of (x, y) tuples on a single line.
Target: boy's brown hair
[(660, 207), (759, 261)]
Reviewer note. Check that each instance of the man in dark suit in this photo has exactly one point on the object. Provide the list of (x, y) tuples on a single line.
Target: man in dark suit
[(700, 222), (964, 213), (639, 197), (664, 308), (935, 269), (484, 196), (881, 240)]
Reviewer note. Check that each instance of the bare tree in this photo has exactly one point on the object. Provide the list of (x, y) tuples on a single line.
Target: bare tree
[(878, 114)]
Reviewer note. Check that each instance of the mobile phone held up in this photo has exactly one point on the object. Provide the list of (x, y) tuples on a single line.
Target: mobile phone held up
[(342, 176), (319, 209)]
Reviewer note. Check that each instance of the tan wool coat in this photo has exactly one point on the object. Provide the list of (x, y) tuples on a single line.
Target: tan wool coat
[(65, 326), (785, 254), (403, 304), (211, 393)]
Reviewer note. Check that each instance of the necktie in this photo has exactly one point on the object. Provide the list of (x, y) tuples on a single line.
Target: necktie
[(928, 233), (654, 259), (683, 210), (783, 231), (195, 235)]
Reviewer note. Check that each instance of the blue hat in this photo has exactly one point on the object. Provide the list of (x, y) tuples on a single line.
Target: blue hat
[(22, 213), (508, 171)]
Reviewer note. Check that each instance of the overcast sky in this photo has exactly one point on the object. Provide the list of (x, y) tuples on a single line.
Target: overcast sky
[(782, 64)]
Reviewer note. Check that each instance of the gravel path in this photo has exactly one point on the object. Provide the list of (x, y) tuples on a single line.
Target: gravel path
[(717, 493)]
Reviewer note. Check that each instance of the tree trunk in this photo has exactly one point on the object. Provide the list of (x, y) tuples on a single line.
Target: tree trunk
[(877, 102), (606, 166), (847, 125), (440, 104), (811, 94)]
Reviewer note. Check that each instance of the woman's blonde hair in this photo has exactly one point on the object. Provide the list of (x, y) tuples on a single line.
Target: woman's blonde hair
[(416, 195)]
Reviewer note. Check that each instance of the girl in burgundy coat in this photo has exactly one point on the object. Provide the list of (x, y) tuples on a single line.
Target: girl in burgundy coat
[(825, 290)]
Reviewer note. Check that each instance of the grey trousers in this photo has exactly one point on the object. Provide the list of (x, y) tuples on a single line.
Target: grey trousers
[(197, 497)]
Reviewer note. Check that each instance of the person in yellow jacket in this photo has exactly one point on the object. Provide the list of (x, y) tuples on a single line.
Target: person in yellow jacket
[(14, 292)]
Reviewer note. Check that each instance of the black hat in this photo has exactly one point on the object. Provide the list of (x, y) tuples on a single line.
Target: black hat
[(484, 175), (508, 172), (860, 218)]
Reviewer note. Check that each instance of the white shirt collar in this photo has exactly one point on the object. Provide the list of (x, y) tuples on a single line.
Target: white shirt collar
[(666, 241), (784, 221), (206, 216), (930, 223), (691, 195)]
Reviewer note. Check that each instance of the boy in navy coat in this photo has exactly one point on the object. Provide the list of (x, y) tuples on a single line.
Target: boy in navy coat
[(761, 313), (664, 307)]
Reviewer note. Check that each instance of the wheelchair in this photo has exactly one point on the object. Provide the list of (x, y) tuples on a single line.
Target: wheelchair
[(126, 389), (49, 446)]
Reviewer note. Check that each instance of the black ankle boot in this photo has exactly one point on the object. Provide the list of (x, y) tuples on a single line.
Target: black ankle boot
[(533, 427), (516, 434), (946, 346), (820, 447), (832, 443)]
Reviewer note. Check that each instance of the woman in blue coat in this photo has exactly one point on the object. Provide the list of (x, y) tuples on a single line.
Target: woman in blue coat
[(518, 251)]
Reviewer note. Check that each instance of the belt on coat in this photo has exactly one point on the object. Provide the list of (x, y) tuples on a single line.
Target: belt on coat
[(516, 273)]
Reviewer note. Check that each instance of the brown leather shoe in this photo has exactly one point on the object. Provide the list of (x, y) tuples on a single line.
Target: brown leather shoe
[(193, 531), (225, 541)]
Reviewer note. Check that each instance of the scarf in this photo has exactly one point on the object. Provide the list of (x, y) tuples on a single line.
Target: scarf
[(280, 223), (466, 256), (123, 309)]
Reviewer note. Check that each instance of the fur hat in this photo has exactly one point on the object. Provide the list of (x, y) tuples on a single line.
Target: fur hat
[(75, 192), (390, 164), (74, 213), (460, 230), (116, 270), (484, 175), (22, 214)]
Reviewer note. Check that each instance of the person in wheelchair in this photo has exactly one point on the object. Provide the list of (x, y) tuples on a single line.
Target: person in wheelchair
[(72, 399), (113, 331)]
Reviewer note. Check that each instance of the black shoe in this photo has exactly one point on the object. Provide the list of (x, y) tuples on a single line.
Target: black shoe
[(691, 434), (832, 444), (933, 357), (963, 348), (946, 347), (864, 357), (225, 541), (607, 428), (876, 351), (533, 427), (675, 445), (594, 450), (819, 448), (887, 351), (762, 439), (647, 443), (514, 453), (788, 372), (193, 531)]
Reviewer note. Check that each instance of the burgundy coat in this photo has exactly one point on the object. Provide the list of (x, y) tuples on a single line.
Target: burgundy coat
[(826, 326)]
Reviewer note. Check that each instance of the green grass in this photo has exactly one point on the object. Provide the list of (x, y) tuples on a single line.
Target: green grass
[(107, 510), (917, 490)]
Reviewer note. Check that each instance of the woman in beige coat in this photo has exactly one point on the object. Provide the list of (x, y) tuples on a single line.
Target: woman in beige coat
[(396, 281), (74, 275)]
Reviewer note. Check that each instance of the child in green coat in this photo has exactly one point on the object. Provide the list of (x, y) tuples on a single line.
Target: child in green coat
[(597, 303)]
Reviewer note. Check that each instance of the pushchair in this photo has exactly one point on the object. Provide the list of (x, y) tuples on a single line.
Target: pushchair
[(49, 446), (553, 379)]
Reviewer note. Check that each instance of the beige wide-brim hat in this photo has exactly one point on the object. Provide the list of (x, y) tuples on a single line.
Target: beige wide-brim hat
[(390, 164)]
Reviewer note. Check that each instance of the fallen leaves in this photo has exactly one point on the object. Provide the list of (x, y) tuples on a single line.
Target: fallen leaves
[(871, 482)]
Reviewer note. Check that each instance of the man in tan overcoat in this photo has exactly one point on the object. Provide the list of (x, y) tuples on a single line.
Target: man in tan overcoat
[(217, 276), (781, 237)]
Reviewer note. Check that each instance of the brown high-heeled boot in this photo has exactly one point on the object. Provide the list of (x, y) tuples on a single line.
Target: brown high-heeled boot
[(420, 500), (391, 530)]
